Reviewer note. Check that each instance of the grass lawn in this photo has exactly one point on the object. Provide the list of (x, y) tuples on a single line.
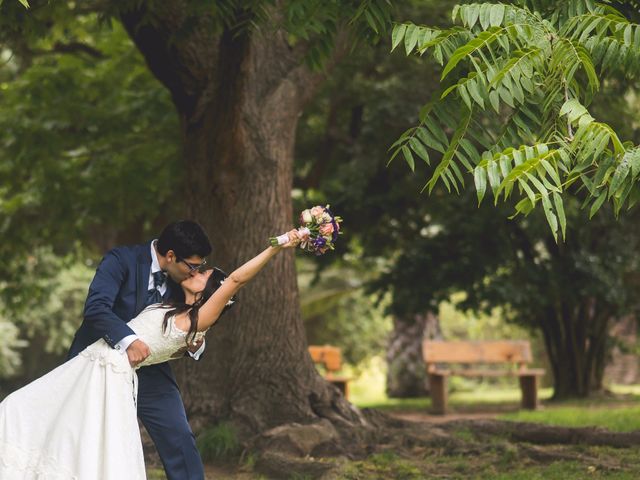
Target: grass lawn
[(614, 417)]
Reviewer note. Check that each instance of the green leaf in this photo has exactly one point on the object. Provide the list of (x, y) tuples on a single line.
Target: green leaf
[(527, 189), (470, 150), (557, 200), (494, 176), (551, 171), (436, 131), (485, 15), (395, 154), (409, 158), (525, 206), (552, 220), (25, 3), (587, 65), (411, 38), (449, 90), (537, 183), (622, 170), (428, 139), (634, 160), (397, 35), (471, 14), (371, 21), (472, 86), (586, 181), (483, 39), (419, 149), (451, 150), (497, 14), (494, 98), (598, 203), (506, 97), (465, 96), (518, 59), (456, 170), (573, 109), (480, 180)]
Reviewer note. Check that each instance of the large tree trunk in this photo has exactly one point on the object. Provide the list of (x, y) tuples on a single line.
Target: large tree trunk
[(239, 95), (576, 341), (406, 375)]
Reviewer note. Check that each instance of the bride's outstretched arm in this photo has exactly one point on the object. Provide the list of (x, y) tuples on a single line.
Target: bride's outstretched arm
[(211, 310)]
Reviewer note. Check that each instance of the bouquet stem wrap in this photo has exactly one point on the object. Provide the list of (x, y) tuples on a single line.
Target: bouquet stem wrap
[(284, 238)]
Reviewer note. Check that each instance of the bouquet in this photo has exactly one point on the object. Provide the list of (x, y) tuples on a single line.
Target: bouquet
[(319, 229)]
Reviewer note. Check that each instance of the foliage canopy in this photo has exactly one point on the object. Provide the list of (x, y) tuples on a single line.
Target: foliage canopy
[(513, 109)]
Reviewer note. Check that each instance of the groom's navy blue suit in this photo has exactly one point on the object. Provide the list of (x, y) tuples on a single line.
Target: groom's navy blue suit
[(117, 294)]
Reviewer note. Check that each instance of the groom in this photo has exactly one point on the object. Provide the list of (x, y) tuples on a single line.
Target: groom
[(127, 280)]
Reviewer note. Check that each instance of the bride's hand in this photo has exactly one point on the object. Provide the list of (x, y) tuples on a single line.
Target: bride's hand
[(294, 239)]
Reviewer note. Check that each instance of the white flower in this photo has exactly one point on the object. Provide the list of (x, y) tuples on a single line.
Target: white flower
[(306, 216)]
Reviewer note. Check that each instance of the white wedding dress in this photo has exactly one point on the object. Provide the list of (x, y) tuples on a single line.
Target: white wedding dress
[(79, 421)]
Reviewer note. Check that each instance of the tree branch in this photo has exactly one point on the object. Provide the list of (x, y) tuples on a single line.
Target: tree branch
[(180, 50), (71, 47)]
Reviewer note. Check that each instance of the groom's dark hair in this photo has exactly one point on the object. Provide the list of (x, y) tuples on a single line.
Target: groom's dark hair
[(186, 238)]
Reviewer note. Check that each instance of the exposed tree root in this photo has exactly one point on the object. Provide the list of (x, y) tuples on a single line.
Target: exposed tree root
[(546, 434), (320, 449)]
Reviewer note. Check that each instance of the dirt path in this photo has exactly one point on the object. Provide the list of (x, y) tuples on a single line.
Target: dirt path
[(425, 417)]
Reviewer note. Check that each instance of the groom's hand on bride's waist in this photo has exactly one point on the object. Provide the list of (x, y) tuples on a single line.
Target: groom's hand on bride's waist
[(137, 352)]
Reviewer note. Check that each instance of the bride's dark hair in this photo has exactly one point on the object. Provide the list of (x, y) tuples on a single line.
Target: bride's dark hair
[(177, 305)]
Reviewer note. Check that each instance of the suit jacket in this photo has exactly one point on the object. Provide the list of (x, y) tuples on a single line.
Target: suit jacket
[(117, 294)]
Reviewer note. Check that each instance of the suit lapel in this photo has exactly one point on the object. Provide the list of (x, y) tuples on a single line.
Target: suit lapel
[(142, 276)]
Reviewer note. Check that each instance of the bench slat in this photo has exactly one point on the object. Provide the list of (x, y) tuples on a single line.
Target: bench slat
[(499, 351)]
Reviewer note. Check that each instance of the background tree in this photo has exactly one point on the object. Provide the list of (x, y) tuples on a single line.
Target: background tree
[(570, 292)]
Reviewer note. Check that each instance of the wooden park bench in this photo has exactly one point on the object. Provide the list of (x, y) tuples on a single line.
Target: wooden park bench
[(331, 359), (512, 356)]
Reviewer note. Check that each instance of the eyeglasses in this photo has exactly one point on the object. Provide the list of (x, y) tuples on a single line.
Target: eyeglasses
[(193, 267)]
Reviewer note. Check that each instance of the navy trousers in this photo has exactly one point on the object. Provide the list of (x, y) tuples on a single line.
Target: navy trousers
[(162, 413)]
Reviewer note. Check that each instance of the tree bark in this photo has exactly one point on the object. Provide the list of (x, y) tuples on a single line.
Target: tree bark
[(406, 377), (576, 345), (239, 95)]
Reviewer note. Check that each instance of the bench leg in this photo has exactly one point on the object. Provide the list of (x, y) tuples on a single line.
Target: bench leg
[(529, 389), (438, 389)]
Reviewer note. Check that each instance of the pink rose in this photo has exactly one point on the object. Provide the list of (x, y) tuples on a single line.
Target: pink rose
[(326, 229), (317, 211)]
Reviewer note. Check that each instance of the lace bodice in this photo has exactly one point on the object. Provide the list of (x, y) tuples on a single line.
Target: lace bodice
[(163, 345), (148, 327)]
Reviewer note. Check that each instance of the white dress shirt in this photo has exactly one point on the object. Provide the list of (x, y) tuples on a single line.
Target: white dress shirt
[(123, 344)]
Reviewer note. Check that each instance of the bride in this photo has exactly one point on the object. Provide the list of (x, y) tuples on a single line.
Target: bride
[(79, 421)]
